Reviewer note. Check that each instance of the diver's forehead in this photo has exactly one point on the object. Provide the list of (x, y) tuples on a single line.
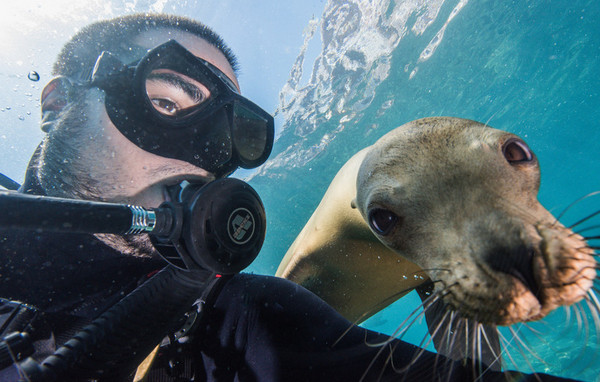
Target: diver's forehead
[(196, 45)]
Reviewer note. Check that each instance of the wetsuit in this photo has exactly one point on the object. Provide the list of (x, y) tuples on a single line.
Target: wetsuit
[(256, 328), (69, 278)]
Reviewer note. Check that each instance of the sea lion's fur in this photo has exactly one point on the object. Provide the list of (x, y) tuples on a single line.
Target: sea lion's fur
[(468, 219)]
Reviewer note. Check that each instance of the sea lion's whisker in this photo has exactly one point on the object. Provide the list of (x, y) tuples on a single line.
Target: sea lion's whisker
[(422, 349), (583, 248), (400, 329), (478, 334), (426, 304), (467, 332), (460, 322), (594, 305), (422, 346), (436, 269), (582, 323), (581, 355), (574, 278), (575, 203), (362, 378), (585, 229), (389, 360), (540, 337), (506, 346), (515, 344), (523, 346), (594, 312), (458, 327), (446, 338), (591, 237), (392, 298), (477, 349), (453, 318), (583, 220), (497, 357), (568, 319)]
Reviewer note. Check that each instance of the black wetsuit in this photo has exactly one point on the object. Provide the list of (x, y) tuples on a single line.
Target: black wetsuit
[(256, 328)]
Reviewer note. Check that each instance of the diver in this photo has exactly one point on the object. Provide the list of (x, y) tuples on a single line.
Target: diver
[(138, 106)]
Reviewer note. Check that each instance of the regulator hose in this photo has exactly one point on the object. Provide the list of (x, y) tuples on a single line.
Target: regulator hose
[(113, 345)]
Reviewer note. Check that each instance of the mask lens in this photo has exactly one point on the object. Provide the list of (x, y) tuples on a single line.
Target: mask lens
[(182, 107), (174, 94), (250, 133)]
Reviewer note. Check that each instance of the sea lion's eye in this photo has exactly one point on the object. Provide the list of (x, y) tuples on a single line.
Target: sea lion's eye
[(516, 151), (382, 221)]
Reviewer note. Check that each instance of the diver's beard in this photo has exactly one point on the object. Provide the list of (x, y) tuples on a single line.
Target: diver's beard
[(69, 167), (131, 245), (62, 168)]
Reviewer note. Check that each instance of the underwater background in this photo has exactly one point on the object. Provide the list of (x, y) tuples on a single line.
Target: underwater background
[(528, 67), (350, 71)]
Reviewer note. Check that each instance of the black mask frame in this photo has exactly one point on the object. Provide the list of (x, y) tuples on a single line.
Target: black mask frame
[(220, 134)]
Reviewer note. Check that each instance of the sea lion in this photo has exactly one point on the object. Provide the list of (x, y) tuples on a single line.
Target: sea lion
[(443, 200)]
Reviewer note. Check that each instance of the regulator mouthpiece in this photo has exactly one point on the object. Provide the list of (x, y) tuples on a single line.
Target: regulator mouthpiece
[(219, 226)]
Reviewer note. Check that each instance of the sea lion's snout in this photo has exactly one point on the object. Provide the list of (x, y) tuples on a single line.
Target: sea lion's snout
[(518, 263), (566, 267)]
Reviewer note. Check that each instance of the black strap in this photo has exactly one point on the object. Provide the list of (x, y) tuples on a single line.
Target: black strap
[(15, 322), (15, 316), (8, 183), (178, 361)]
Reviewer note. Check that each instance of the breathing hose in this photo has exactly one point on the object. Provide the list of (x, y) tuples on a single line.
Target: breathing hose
[(116, 342)]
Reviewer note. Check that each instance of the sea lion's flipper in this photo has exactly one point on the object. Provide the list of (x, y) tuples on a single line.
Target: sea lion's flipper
[(459, 345)]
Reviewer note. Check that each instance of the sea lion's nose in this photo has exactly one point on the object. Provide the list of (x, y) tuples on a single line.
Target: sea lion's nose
[(516, 261)]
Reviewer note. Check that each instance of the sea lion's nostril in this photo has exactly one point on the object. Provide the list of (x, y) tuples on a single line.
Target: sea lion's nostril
[(517, 262)]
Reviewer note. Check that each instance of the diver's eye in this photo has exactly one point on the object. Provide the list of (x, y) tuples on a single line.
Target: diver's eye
[(165, 106), (382, 221), (174, 94), (516, 151)]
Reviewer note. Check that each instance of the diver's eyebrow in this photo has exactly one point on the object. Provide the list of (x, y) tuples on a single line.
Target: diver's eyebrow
[(173, 79)]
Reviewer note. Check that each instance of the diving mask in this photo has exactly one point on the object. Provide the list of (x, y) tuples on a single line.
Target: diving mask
[(176, 105)]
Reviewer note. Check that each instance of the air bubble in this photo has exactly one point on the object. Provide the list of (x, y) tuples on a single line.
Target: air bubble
[(33, 76)]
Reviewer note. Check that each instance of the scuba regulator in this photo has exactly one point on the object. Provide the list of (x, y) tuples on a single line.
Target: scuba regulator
[(217, 229), (220, 227)]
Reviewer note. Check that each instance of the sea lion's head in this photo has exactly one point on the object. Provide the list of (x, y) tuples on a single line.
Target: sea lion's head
[(459, 199)]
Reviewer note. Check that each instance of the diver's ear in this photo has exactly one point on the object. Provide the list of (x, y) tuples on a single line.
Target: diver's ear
[(55, 98)]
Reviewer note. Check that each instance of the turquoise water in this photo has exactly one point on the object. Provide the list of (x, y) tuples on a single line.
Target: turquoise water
[(528, 67)]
